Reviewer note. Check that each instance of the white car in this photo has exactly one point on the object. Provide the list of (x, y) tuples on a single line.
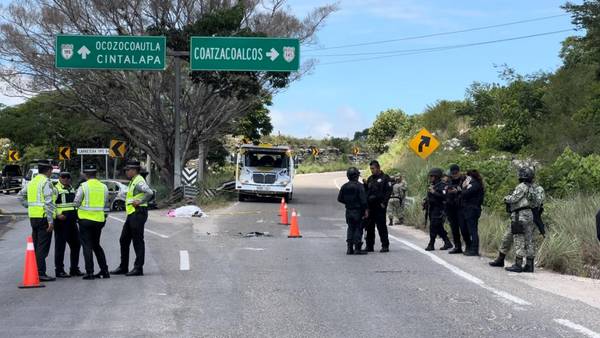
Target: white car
[(33, 172)]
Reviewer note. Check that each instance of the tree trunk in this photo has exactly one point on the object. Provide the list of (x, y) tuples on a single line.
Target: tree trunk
[(149, 168)]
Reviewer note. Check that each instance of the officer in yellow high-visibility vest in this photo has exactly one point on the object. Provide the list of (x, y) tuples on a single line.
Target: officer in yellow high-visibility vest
[(136, 205), (38, 198), (65, 227), (91, 201)]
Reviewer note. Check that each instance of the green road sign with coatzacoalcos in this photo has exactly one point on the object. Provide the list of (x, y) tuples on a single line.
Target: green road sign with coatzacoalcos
[(244, 54), (110, 52)]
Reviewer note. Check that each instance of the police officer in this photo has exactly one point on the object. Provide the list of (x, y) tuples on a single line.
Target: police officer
[(379, 190), (38, 198), (353, 196), (136, 205), (91, 200), (65, 227), (472, 196), (434, 203), (519, 204), (396, 202), (454, 210)]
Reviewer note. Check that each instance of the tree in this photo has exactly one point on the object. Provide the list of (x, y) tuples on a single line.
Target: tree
[(139, 104), (585, 16), (385, 127)]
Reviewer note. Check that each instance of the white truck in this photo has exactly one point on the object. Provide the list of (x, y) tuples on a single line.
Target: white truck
[(264, 171)]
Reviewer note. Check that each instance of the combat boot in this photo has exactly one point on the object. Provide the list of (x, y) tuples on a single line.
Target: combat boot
[(350, 250), (517, 267), (530, 265), (499, 262), (358, 250), (447, 244), (369, 248), (430, 246), (456, 250)]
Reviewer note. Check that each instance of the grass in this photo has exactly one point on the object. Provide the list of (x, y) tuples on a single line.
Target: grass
[(309, 166), (570, 246)]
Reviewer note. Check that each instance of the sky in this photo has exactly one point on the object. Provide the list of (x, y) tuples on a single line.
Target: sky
[(337, 99), (340, 98)]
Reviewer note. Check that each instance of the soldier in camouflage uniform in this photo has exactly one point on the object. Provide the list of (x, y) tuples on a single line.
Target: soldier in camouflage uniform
[(520, 231), (396, 202), (537, 207)]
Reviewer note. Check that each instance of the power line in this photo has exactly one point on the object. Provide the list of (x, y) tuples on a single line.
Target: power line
[(406, 52), (437, 34), (448, 46)]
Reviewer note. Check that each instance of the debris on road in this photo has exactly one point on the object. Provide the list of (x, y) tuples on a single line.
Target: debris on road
[(256, 234)]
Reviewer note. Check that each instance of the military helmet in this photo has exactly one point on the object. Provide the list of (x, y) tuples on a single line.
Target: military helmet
[(436, 172), (525, 173), (353, 173)]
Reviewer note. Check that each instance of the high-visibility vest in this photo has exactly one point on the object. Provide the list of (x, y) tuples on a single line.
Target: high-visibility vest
[(92, 205), (131, 197), (64, 198), (35, 196)]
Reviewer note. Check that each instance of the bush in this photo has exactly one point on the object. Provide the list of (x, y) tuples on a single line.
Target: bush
[(571, 173)]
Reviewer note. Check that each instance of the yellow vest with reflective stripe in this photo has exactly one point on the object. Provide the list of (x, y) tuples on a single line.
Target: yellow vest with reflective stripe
[(35, 196), (92, 205), (61, 199), (131, 197)]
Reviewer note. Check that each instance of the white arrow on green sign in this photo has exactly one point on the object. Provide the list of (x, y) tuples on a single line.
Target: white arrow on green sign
[(110, 52), (244, 54)]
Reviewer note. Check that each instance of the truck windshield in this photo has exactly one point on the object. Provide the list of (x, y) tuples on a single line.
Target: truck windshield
[(270, 160)]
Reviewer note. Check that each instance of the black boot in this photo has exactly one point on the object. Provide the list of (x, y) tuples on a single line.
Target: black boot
[(102, 274), (369, 248), (530, 265), (517, 267), (89, 276), (499, 262), (350, 250), (135, 272), (385, 249), (447, 244), (75, 272), (61, 274), (119, 271), (358, 249), (430, 246), (456, 250)]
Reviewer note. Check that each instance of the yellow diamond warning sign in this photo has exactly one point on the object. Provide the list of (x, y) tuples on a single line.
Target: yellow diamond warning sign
[(424, 143)]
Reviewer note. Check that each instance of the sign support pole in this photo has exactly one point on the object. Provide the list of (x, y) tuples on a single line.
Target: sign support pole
[(106, 166)]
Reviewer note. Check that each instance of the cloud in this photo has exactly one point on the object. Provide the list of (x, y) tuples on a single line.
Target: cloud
[(342, 122)]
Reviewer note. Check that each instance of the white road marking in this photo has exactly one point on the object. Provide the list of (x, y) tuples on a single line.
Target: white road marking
[(147, 230), (581, 329), (461, 273), (184, 260), (254, 249), (337, 185)]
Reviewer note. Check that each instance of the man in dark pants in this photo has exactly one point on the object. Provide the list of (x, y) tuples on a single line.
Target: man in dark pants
[(454, 212), (353, 196), (91, 200), (434, 202), (65, 227), (136, 205), (38, 198), (379, 190)]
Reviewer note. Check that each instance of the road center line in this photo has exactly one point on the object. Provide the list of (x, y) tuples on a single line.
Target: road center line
[(145, 229), (581, 329), (184, 260), (459, 272)]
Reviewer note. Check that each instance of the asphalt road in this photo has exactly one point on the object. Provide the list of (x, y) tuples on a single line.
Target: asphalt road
[(204, 279)]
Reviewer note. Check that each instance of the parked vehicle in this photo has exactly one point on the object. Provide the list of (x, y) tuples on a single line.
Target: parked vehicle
[(11, 177), (117, 193)]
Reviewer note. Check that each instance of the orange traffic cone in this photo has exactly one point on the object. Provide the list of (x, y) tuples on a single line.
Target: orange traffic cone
[(284, 215), (31, 279), (281, 207), (294, 230)]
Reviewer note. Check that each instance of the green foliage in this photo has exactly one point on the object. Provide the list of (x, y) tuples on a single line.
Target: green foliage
[(310, 166), (387, 124), (442, 118), (571, 173), (257, 123), (487, 138)]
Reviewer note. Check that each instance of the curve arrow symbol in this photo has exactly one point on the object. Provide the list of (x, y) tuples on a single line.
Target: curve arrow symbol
[(425, 140)]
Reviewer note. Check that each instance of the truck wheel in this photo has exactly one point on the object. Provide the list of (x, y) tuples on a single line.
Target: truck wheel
[(288, 197), (241, 198)]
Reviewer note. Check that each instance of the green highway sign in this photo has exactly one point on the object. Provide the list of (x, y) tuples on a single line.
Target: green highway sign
[(244, 54), (110, 52)]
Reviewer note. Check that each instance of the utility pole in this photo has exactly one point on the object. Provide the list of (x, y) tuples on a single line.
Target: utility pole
[(177, 151)]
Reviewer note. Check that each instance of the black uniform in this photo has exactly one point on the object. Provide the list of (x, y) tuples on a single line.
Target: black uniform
[(379, 190), (455, 214), (66, 231), (354, 197), (472, 199), (436, 210)]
